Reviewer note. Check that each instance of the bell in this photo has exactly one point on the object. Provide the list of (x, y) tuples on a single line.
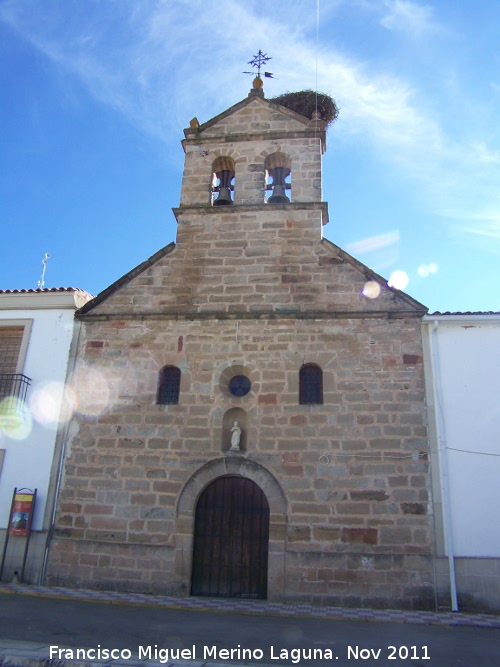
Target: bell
[(225, 177), (224, 197), (279, 195)]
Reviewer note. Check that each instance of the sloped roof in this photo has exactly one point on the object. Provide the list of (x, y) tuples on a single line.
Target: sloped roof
[(464, 313), (41, 290)]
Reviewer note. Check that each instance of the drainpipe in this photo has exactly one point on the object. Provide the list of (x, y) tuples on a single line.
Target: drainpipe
[(443, 463)]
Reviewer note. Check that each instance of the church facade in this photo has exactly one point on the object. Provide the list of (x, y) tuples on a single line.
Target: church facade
[(251, 417)]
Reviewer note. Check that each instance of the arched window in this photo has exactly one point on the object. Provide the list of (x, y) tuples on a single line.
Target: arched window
[(223, 172), (278, 169), (310, 385), (169, 385)]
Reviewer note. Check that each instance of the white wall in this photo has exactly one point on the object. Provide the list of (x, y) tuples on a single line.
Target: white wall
[(465, 368), (28, 460)]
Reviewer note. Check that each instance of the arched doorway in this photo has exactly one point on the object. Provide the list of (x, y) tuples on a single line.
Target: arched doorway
[(231, 537)]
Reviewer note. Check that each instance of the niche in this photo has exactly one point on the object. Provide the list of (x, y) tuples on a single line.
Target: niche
[(234, 415)]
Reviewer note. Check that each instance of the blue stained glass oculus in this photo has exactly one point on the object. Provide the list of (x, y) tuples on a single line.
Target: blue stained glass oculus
[(239, 385)]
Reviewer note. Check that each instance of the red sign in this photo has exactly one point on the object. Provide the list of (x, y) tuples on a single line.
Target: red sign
[(20, 519)]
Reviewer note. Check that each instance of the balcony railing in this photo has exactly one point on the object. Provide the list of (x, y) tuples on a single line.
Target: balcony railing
[(13, 389)]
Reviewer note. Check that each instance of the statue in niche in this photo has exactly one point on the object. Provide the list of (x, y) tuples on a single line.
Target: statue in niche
[(235, 437)]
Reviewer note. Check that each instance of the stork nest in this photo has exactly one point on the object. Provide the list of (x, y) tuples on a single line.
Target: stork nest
[(306, 102)]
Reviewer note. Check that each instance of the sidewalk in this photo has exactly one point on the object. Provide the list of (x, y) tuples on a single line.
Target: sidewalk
[(20, 653), (256, 607)]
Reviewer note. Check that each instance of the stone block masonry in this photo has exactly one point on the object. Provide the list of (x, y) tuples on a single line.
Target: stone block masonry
[(354, 471), (249, 289)]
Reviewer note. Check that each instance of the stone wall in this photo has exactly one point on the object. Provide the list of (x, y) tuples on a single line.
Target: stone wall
[(246, 262), (249, 289), (353, 471)]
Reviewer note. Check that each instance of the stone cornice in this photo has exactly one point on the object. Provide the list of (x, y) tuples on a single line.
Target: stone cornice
[(43, 300), (201, 209), (276, 135), (254, 315)]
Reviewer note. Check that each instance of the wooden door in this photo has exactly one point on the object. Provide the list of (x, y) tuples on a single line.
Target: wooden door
[(231, 540)]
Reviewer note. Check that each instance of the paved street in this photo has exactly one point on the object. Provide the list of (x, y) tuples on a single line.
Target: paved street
[(136, 627)]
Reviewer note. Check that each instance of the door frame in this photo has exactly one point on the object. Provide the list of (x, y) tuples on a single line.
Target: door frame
[(185, 519)]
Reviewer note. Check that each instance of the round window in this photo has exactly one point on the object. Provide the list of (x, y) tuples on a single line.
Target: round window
[(239, 385)]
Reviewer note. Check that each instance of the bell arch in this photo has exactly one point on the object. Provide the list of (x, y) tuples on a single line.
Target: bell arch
[(186, 511), (223, 173), (278, 169)]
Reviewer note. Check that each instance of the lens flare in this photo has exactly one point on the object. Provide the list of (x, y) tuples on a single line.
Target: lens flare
[(16, 421), (371, 289), (399, 280), (425, 270), (52, 403), (91, 390)]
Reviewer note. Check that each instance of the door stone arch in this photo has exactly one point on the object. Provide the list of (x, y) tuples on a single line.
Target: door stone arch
[(185, 521)]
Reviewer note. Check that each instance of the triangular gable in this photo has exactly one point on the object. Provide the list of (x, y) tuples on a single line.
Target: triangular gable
[(272, 110), (335, 289), (126, 279), (405, 301)]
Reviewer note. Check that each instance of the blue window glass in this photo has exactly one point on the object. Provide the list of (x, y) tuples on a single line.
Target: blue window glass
[(169, 385), (310, 385)]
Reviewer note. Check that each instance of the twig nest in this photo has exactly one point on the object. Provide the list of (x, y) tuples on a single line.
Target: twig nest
[(310, 104)]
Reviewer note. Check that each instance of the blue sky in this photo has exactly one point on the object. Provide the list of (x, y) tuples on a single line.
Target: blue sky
[(95, 95)]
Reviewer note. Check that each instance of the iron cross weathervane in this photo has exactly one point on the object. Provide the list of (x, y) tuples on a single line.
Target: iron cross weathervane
[(258, 61)]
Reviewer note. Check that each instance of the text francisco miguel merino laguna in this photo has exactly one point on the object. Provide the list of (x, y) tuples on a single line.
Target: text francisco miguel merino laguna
[(295, 655), (164, 655)]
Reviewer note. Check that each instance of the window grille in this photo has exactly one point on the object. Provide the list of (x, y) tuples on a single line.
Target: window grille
[(310, 385), (169, 385), (13, 388), (14, 385)]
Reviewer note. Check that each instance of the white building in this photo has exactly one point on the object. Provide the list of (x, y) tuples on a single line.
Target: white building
[(462, 363), (37, 332)]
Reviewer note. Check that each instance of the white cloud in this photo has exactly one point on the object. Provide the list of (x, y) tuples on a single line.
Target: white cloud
[(146, 59), (490, 229), (160, 63), (408, 17), (379, 252), (485, 224), (481, 153), (373, 243)]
